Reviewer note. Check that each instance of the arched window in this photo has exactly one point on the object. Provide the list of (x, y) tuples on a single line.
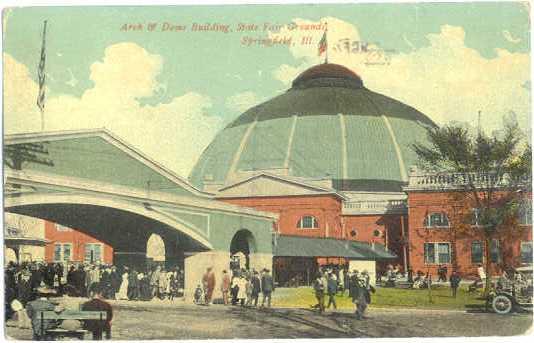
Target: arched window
[(436, 219), (308, 222)]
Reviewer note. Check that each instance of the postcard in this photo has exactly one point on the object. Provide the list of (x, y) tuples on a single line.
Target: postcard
[(267, 171)]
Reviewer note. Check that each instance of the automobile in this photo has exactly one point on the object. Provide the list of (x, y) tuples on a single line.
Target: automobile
[(513, 293)]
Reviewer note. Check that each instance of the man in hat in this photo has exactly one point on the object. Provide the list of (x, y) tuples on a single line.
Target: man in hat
[(154, 281), (225, 286), (39, 327), (319, 286), (267, 287), (331, 290), (359, 293), (256, 287), (208, 281), (97, 326)]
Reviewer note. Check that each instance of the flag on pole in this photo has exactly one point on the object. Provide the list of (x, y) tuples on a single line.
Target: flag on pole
[(323, 44), (41, 76)]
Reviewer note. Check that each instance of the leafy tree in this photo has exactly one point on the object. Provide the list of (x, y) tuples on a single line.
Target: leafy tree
[(489, 173)]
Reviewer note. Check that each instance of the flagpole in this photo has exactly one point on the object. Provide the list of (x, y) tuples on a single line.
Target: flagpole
[(41, 75), (326, 35)]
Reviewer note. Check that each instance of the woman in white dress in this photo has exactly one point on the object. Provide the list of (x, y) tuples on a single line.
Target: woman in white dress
[(122, 294), (242, 292)]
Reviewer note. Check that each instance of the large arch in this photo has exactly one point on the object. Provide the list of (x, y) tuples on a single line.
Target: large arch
[(85, 199), (125, 225), (243, 242)]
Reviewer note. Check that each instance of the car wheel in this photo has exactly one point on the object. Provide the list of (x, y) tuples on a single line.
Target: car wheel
[(502, 304)]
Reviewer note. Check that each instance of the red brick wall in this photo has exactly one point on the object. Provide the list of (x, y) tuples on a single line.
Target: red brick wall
[(422, 203), (326, 209), (389, 226), (77, 239)]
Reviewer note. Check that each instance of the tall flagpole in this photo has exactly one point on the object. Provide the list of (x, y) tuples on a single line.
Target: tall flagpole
[(326, 35), (41, 76)]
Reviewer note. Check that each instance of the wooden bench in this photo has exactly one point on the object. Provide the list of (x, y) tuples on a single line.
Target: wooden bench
[(69, 315)]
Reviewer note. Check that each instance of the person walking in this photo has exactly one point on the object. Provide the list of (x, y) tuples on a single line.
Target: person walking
[(122, 294), (225, 286), (360, 295), (162, 283), (234, 287), (248, 278), (208, 281), (482, 275), (332, 290), (94, 280), (116, 280), (319, 286), (242, 291), (24, 289), (267, 287), (133, 285), (455, 282), (256, 287), (173, 285)]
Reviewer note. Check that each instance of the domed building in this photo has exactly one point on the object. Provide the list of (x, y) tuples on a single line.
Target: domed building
[(326, 126), (330, 157)]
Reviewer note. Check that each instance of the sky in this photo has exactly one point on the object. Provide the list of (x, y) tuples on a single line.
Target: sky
[(168, 92)]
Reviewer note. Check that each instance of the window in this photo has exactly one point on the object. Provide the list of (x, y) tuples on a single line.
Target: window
[(308, 222), (444, 254), (495, 251), (526, 252), (57, 252), (353, 233), (60, 227), (436, 219), (475, 216), (437, 253), (93, 252), (477, 252), (377, 233), (525, 213), (62, 252)]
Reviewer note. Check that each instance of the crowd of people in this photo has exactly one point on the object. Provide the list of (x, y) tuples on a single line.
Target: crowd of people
[(328, 283), (243, 287), (24, 281)]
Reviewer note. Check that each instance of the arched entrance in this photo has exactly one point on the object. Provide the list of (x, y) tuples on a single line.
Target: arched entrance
[(242, 246), (155, 250)]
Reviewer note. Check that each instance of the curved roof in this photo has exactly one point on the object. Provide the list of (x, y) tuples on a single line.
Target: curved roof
[(327, 71), (328, 125)]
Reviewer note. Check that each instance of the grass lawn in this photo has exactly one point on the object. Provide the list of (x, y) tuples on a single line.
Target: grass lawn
[(304, 297)]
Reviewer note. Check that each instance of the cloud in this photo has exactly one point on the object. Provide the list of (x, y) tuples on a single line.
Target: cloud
[(445, 79), (241, 102), (173, 133)]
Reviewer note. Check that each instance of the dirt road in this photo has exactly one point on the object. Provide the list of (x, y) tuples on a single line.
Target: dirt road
[(138, 320)]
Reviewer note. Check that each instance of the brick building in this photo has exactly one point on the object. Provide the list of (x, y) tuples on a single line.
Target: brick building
[(436, 239), (69, 245), (332, 159)]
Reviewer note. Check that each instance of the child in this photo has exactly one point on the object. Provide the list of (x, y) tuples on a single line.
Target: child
[(198, 295)]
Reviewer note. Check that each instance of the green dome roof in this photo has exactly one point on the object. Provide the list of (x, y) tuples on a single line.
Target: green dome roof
[(328, 125)]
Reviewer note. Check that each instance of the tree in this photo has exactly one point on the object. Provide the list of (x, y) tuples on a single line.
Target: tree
[(490, 175), (17, 154)]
